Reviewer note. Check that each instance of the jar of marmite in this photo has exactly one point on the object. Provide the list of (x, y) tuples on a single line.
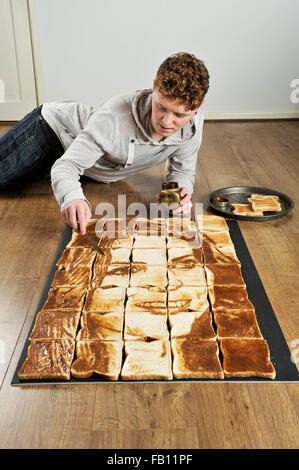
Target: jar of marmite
[(170, 195)]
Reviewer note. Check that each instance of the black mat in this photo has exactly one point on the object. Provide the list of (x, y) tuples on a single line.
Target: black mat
[(280, 355)]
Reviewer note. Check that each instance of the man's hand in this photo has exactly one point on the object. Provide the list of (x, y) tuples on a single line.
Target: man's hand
[(77, 215), (185, 203)]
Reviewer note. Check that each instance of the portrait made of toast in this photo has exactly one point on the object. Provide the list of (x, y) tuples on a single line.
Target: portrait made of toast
[(164, 300)]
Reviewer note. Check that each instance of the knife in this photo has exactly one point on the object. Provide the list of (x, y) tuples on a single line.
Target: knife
[(93, 243)]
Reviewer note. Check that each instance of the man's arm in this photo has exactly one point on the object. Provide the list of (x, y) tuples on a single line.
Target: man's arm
[(182, 167), (92, 143)]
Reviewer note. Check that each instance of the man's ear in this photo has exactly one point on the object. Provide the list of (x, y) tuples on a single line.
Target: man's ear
[(154, 84)]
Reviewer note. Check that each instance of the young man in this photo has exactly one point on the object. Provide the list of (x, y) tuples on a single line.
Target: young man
[(123, 136)]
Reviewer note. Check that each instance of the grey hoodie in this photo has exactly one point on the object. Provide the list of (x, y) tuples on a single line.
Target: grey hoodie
[(114, 141)]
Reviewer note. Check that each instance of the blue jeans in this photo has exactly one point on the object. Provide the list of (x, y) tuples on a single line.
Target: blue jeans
[(29, 148)]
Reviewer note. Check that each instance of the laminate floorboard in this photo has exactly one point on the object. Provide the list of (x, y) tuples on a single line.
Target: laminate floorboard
[(156, 416)]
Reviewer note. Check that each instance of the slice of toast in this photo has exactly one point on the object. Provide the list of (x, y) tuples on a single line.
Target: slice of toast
[(65, 298), (187, 239), (268, 203), (76, 257), (223, 255), (211, 223), (216, 239), (147, 299), (111, 243), (72, 276), (185, 275), (224, 274), (113, 275), (143, 275), (145, 326), (102, 358), (49, 359), (101, 326), (150, 227), (246, 358), (55, 324), (147, 361), (78, 240), (237, 324), (196, 359), (187, 298), (153, 256), (146, 242), (229, 297), (188, 256), (246, 209), (195, 325), (105, 299)]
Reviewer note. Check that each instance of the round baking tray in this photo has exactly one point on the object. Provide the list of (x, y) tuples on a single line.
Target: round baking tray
[(240, 195)]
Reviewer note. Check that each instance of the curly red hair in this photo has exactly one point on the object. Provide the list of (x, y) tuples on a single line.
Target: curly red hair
[(184, 77)]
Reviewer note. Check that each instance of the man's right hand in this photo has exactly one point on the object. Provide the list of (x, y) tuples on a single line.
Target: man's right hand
[(77, 214)]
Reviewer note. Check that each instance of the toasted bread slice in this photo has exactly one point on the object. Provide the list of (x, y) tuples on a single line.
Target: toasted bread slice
[(72, 276), (146, 242), (196, 359), (150, 227), (100, 299), (211, 223), (188, 256), (102, 358), (246, 209), (216, 239), (110, 243), (185, 275), (195, 325), (246, 358), (147, 299), (229, 297), (113, 275), (180, 224), (186, 299), (265, 203), (187, 239), (224, 274), (118, 256), (76, 257), (95, 226), (153, 256), (78, 240), (237, 324), (119, 227), (55, 324), (147, 361), (145, 326), (223, 255), (48, 359), (143, 275), (101, 327), (65, 298)]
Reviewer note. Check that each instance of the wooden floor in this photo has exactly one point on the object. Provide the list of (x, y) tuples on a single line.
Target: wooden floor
[(157, 416)]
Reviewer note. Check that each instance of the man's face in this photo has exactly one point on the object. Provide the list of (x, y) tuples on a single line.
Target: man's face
[(168, 116)]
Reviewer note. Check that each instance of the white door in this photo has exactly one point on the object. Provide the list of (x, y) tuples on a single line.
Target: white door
[(17, 83)]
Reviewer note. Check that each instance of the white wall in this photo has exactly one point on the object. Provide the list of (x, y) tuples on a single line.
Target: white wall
[(93, 49)]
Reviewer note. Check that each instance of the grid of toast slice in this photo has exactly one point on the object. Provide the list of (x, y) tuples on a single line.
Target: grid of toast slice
[(166, 300)]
